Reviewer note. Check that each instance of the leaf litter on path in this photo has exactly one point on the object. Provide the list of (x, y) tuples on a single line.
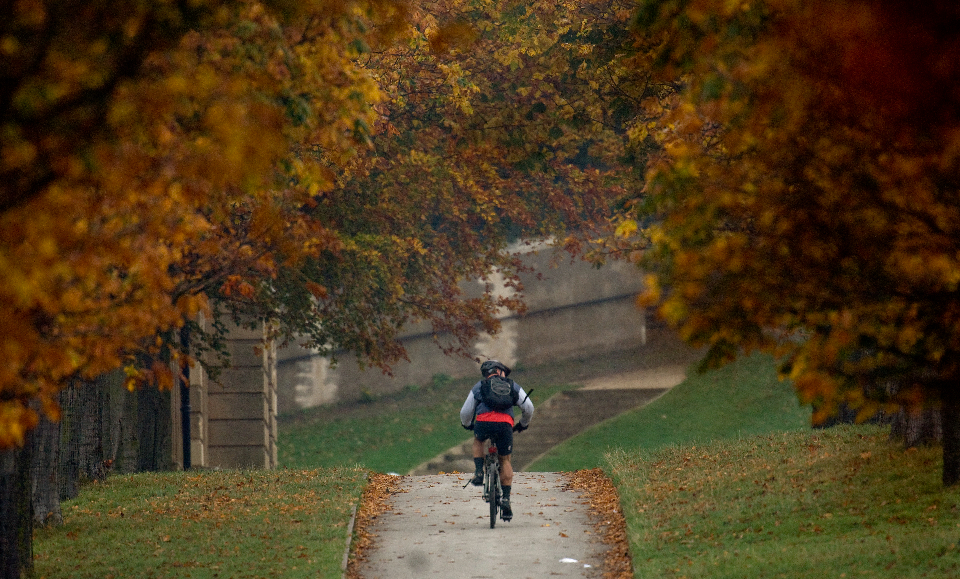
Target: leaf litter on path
[(373, 503), (610, 523)]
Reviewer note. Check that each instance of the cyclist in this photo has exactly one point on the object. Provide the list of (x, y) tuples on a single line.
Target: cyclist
[(496, 426)]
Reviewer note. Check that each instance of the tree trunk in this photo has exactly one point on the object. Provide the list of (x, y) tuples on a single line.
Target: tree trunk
[(125, 425), (82, 436), (45, 470), (16, 513), (97, 431), (153, 430), (917, 428), (951, 434)]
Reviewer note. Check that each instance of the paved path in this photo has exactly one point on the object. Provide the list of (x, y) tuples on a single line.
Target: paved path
[(437, 528)]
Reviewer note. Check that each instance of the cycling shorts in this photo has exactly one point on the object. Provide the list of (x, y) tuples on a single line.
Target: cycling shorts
[(500, 433)]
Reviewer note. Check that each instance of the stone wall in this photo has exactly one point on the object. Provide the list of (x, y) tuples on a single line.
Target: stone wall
[(574, 310)]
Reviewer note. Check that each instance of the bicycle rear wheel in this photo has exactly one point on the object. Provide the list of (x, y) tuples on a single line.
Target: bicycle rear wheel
[(493, 475), (494, 506)]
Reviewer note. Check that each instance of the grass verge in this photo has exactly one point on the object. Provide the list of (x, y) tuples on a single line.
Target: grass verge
[(842, 502), (211, 524), (741, 399)]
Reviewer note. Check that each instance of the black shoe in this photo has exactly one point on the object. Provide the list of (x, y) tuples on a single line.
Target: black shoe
[(477, 479), (505, 512)]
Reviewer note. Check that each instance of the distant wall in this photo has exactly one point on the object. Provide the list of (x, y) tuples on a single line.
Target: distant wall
[(574, 310)]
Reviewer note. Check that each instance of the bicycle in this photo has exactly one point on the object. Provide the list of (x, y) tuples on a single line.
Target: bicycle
[(492, 490)]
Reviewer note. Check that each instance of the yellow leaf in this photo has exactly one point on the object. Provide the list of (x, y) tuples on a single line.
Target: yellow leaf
[(626, 228)]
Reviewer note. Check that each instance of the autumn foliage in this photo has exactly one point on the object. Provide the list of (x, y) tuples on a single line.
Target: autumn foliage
[(805, 197), (486, 134), (147, 160), (337, 168)]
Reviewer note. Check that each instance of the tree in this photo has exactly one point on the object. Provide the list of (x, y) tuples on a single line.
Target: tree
[(136, 137), (492, 127), (143, 144), (805, 196)]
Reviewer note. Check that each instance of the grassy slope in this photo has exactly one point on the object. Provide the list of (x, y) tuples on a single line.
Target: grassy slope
[(210, 524), (387, 435), (741, 399), (722, 478), (844, 502)]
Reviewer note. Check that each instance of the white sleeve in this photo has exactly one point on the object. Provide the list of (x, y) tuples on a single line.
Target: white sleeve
[(526, 407), (468, 409)]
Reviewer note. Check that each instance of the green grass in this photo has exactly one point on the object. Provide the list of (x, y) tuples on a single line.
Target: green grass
[(209, 524), (741, 399), (394, 433), (843, 502)]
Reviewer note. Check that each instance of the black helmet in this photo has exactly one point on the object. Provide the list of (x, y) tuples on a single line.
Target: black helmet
[(489, 366)]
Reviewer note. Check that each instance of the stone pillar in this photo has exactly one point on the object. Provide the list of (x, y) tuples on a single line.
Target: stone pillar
[(241, 405), (198, 417), (176, 431), (270, 392)]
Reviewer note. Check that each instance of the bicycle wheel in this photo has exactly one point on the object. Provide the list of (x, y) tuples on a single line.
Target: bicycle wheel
[(487, 479), (494, 477)]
